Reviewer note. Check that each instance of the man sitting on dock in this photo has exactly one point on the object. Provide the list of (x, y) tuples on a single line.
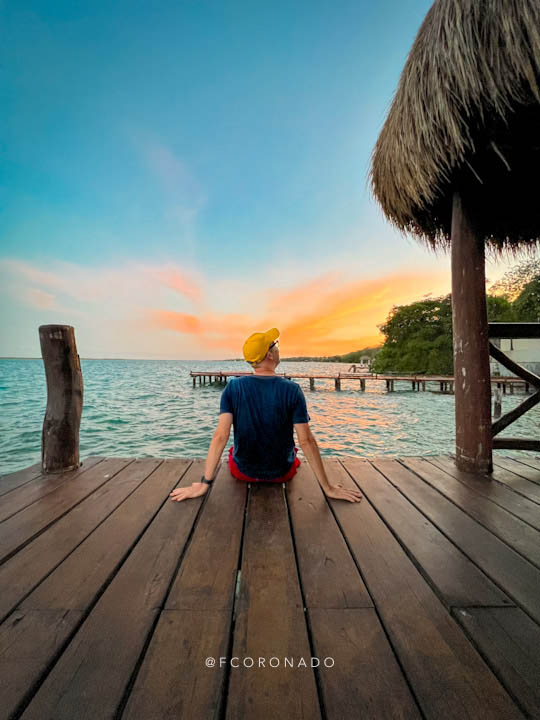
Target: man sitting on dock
[(264, 408)]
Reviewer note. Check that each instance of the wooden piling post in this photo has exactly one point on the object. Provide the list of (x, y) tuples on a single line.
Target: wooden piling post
[(312, 383), (60, 434), (471, 350), (497, 404), (363, 385), (337, 382), (423, 386), (194, 378)]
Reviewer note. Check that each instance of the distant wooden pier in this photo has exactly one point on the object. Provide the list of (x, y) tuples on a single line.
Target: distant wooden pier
[(418, 382)]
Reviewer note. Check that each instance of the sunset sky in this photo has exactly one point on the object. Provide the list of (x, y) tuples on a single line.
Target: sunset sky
[(177, 175)]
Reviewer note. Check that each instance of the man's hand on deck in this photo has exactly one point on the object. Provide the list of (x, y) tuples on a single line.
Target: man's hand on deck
[(194, 490), (338, 492)]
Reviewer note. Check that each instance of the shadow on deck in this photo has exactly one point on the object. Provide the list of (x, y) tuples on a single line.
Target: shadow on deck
[(421, 601)]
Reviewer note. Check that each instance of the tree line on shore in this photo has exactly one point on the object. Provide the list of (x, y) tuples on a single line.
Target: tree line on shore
[(418, 336)]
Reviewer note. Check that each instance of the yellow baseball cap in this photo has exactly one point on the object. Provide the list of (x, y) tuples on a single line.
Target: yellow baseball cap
[(256, 346)]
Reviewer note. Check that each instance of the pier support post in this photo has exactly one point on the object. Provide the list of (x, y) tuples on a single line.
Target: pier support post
[(312, 383), (471, 350), (363, 385), (337, 382), (194, 381), (60, 434)]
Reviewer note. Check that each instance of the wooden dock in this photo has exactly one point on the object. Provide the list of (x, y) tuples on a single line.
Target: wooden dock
[(421, 601), (418, 382)]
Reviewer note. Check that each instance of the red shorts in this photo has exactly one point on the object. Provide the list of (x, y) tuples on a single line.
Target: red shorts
[(235, 472)]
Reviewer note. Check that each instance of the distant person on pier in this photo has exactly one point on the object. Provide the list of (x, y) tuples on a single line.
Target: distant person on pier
[(264, 408)]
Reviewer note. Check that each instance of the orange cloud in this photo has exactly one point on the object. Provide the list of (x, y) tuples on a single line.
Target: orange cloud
[(178, 281), (319, 317)]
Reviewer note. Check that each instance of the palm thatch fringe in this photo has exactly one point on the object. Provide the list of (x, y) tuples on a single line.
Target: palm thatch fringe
[(466, 115)]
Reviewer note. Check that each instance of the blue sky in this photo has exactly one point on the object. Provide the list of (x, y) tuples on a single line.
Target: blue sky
[(200, 158)]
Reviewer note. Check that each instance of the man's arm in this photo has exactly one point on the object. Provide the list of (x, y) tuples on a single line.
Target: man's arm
[(309, 446), (219, 440)]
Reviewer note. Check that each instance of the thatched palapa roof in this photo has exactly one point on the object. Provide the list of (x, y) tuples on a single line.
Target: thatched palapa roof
[(466, 117)]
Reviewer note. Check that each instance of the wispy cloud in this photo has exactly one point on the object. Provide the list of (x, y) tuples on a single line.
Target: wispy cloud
[(321, 316)]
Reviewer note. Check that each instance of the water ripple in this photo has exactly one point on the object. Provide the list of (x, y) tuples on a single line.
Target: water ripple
[(145, 408)]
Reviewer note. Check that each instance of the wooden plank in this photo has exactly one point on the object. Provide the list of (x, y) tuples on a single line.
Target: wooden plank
[(510, 641), (28, 493), (516, 483), (510, 571), (173, 680), (365, 680), (207, 577), (19, 530), (330, 578), (448, 677), (514, 532), (518, 505), (456, 579), (521, 469), (270, 620), (21, 574), (529, 461), (20, 477), (91, 675)]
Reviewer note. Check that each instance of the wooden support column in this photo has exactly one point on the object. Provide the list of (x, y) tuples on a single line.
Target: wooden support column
[(60, 434), (471, 349), (194, 381), (338, 383), (312, 383), (363, 385)]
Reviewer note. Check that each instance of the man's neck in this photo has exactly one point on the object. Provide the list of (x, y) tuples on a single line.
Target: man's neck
[(264, 371)]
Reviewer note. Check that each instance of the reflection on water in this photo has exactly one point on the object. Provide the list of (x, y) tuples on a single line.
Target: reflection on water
[(145, 408)]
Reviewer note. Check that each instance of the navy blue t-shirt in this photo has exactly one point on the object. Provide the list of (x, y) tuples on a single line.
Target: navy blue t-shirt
[(264, 409)]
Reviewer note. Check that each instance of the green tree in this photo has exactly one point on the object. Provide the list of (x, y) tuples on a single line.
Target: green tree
[(514, 281), (418, 338), (500, 309), (527, 305)]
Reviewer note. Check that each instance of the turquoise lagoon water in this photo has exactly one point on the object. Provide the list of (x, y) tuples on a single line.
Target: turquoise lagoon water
[(145, 408)]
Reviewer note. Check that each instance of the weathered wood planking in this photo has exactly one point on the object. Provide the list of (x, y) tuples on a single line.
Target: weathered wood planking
[(116, 604), (23, 527), (42, 485), (173, 680), (16, 479), (512, 502), (330, 578), (521, 537), (510, 571), (531, 461), (124, 596), (366, 681), (456, 579), (519, 468), (448, 676), (516, 483), (270, 620), (511, 641), (343, 621), (21, 573)]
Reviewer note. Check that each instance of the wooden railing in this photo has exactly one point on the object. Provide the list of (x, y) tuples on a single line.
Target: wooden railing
[(514, 331)]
